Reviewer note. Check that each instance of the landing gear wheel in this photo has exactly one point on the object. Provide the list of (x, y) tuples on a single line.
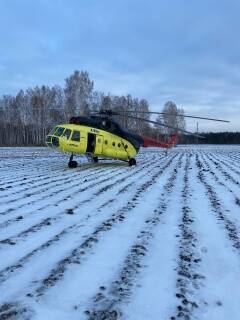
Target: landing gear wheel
[(95, 159), (72, 164), (132, 162)]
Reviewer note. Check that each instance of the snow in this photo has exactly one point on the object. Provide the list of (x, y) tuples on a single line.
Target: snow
[(159, 240)]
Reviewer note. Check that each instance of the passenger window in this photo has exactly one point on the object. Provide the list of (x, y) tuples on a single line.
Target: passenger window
[(75, 136), (119, 145), (67, 134), (106, 142), (59, 131), (126, 146), (113, 144)]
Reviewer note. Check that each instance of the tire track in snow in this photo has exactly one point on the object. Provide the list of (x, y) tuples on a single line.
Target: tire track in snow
[(42, 169), (61, 197), (18, 175), (50, 221), (13, 309), (223, 171), (23, 182), (20, 310), (106, 303), (43, 182), (68, 173), (219, 264), (231, 229), (57, 192), (226, 163), (189, 279), (70, 192), (89, 242), (229, 159), (207, 162), (59, 215), (75, 183), (77, 254), (235, 160)]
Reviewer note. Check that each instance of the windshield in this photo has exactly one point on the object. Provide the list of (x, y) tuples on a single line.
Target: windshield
[(59, 131), (52, 131)]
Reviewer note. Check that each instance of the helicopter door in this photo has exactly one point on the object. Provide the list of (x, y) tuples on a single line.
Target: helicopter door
[(98, 144), (91, 142), (94, 144)]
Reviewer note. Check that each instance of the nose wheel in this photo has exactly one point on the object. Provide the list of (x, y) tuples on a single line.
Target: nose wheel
[(72, 164), (132, 162)]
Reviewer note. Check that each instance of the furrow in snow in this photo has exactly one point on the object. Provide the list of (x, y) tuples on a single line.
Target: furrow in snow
[(189, 279), (211, 170), (59, 215), (231, 228), (104, 226), (106, 303), (50, 222)]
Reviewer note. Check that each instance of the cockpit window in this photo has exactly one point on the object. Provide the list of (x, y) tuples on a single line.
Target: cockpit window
[(75, 136), (59, 131), (52, 131), (67, 134)]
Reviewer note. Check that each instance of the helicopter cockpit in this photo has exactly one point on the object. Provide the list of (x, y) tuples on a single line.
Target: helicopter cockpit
[(60, 132)]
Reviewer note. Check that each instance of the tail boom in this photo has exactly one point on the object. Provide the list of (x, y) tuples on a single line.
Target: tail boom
[(149, 142)]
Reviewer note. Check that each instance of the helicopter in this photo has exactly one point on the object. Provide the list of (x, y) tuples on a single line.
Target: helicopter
[(98, 135)]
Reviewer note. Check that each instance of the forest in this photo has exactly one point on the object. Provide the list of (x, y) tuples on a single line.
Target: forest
[(25, 119), (212, 138)]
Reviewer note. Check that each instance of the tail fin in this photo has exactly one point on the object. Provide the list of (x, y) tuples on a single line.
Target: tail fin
[(149, 142)]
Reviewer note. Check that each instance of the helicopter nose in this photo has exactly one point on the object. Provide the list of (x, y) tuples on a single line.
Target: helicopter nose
[(52, 142), (55, 142)]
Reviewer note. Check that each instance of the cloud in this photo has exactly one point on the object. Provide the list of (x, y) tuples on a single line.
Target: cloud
[(182, 51)]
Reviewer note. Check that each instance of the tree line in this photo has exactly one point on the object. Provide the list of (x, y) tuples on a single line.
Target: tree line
[(212, 138), (25, 119)]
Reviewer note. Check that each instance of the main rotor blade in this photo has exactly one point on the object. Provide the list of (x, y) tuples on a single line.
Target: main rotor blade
[(165, 125), (178, 115)]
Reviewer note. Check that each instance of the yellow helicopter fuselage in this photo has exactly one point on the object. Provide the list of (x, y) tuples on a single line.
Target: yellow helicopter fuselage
[(81, 139)]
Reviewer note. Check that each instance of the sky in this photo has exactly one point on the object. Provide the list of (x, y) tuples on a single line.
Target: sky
[(186, 51)]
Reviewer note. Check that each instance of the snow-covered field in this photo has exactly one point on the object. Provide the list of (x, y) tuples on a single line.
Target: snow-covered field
[(105, 241)]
